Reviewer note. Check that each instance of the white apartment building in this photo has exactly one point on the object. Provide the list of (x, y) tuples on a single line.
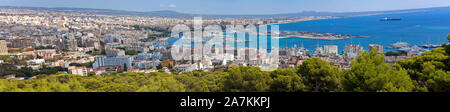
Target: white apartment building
[(122, 61), (331, 49)]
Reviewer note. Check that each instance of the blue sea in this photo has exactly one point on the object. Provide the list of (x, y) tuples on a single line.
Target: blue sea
[(415, 28)]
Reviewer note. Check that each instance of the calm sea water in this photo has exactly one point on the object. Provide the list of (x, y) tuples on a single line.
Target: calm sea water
[(416, 28)]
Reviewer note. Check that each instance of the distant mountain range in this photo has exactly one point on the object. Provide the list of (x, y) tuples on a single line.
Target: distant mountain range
[(168, 13)]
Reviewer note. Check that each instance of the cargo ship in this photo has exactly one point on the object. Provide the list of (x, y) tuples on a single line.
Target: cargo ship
[(390, 19)]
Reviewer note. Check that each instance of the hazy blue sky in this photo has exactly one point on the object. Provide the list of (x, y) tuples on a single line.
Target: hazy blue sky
[(235, 6)]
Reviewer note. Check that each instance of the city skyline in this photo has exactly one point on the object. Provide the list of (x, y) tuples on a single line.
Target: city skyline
[(235, 6), (75, 48)]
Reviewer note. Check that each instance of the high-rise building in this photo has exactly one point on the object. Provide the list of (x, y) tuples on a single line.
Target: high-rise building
[(331, 49), (83, 71), (3, 47), (93, 43), (376, 46), (21, 42), (352, 51), (114, 52), (319, 51), (99, 62), (70, 42)]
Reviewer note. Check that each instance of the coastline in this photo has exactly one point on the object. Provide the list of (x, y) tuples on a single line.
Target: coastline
[(319, 38), (312, 18)]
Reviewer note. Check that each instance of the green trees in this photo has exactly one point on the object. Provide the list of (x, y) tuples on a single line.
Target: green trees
[(319, 75), (11, 60), (196, 81), (5, 69), (8, 69), (50, 70), (286, 80), (125, 67), (439, 81), (43, 47), (369, 73), (246, 79), (126, 82), (431, 69), (400, 53), (132, 52), (24, 72), (87, 64), (161, 83)]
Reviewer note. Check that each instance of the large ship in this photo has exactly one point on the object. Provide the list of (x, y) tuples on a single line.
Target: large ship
[(390, 19)]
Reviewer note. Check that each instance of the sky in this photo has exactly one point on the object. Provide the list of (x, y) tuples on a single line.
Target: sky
[(235, 6)]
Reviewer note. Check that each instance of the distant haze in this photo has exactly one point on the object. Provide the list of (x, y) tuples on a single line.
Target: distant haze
[(235, 6)]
